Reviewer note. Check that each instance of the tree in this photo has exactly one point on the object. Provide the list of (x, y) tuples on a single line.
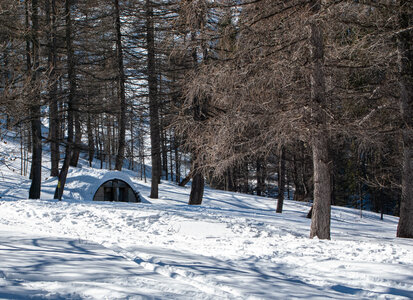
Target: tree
[(242, 80), (72, 94), (320, 221), (153, 101), (281, 180), (35, 113), (120, 90), (50, 9), (405, 48)]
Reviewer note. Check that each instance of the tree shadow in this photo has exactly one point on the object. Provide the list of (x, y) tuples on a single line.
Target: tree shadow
[(248, 277), (57, 268)]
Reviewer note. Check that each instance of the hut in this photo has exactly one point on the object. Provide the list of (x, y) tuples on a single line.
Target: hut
[(116, 188)]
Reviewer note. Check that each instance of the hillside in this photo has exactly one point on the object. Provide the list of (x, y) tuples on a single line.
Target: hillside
[(234, 246)]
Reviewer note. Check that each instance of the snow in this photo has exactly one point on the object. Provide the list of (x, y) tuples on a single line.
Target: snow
[(234, 246)]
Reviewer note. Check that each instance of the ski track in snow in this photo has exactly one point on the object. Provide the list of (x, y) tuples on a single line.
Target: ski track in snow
[(232, 247)]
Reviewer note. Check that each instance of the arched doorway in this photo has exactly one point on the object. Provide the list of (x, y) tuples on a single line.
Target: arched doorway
[(116, 190)]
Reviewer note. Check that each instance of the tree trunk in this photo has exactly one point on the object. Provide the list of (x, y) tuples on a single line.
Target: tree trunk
[(76, 113), (153, 102), (405, 48), (281, 180), (177, 161), (381, 204), (78, 134), (299, 191), (246, 175), (34, 192), (259, 177), (66, 163), (320, 221), (72, 91), (91, 143), (288, 185), (36, 125), (197, 187), (171, 165), (132, 143), (28, 70), (321, 210), (164, 151), (50, 7), (121, 91), (229, 179), (108, 143), (310, 213), (185, 180)]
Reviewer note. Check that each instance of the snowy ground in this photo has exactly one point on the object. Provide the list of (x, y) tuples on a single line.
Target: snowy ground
[(232, 247)]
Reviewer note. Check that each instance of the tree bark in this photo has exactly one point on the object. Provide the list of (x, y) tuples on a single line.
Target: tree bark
[(405, 49), (320, 221), (121, 91), (35, 187), (153, 102), (72, 91), (198, 180), (281, 180), (197, 187)]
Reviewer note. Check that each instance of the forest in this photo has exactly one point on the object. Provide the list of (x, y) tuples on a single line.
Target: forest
[(310, 100)]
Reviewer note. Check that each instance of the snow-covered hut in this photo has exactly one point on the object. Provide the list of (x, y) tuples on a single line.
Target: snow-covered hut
[(116, 186)]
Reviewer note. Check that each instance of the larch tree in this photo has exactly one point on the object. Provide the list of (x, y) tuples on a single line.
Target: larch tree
[(120, 89), (70, 101), (282, 86), (405, 53), (320, 220), (304, 90), (153, 100), (35, 105), (51, 23)]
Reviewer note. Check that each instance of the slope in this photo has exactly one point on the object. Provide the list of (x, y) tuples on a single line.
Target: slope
[(232, 247)]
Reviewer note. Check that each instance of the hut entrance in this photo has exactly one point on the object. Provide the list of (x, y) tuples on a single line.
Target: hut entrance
[(115, 190)]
